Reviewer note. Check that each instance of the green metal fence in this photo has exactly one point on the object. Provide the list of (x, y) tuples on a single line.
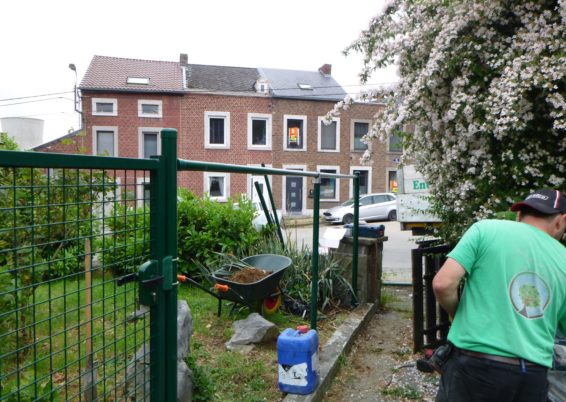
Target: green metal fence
[(73, 230), (223, 167), (88, 273)]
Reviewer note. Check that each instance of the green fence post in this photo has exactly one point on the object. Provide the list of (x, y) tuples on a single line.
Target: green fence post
[(263, 203), (355, 233), (275, 217), (164, 250), (314, 276)]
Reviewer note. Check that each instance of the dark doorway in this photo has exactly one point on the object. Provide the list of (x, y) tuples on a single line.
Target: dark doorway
[(294, 195)]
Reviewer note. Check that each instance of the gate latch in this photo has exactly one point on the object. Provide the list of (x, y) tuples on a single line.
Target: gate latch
[(149, 281)]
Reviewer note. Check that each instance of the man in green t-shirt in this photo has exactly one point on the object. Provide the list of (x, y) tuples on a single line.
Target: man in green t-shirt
[(513, 300)]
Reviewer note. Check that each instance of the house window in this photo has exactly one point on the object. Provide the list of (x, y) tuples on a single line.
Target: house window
[(150, 141), (295, 133), (143, 192), (395, 142), (328, 135), (365, 180), (360, 129), (392, 185), (217, 129), (259, 131), (150, 108), (329, 185), (105, 141), (104, 107), (217, 186)]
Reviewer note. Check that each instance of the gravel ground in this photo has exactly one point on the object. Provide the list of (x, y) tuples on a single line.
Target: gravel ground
[(381, 365)]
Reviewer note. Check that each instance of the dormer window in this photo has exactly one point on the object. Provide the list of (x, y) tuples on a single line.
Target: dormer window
[(305, 86), (262, 86), (138, 80)]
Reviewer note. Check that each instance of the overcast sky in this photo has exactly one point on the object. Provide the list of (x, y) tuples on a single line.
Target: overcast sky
[(41, 38)]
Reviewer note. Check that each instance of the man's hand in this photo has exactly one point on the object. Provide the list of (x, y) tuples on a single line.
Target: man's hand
[(445, 285)]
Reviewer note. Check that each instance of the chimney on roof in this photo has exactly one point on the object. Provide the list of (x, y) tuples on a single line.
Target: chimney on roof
[(326, 69), (184, 59)]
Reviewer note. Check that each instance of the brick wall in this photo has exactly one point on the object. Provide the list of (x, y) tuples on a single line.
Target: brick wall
[(192, 136), (187, 114), (313, 158)]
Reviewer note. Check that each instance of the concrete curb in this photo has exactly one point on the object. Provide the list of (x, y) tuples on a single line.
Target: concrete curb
[(338, 345), (290, 223)]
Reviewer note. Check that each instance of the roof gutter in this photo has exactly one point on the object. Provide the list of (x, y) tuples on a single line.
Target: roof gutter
[(166, 92)]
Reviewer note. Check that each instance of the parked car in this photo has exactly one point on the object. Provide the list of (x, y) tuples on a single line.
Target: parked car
[(376, 206)]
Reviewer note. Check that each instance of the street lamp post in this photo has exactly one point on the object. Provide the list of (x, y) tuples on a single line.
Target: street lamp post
[(77, 97)]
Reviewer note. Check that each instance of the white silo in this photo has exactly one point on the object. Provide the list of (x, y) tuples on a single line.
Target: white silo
[(27, 132)]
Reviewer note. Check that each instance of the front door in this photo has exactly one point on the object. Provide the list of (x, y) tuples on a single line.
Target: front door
[(294, 195)]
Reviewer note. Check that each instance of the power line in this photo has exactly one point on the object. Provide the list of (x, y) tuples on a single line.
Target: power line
[(39, 114), (38, 100), (36, 96)]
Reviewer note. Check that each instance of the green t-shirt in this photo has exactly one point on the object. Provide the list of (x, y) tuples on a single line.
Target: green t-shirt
[(515, 292)]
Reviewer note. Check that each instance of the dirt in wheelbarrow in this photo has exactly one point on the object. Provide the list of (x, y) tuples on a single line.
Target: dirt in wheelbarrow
[(248, 275)]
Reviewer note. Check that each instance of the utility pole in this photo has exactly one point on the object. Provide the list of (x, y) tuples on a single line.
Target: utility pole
[(77, 97)]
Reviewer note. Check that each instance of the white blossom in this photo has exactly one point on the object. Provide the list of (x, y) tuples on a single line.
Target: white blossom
[(484, 85)]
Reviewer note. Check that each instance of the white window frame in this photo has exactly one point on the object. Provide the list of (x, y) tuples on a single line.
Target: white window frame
[(114, 101), (285, 132), (142, 102), (300, 168), (96, 129), (319, 129), (336, 168), (140, 182), (141, 131), (224, 115), (208, 175), (249, 189), (352, 139), (369, 170), (268, 131)]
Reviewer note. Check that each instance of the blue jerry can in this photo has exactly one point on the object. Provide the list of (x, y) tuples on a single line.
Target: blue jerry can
[(297, 358)]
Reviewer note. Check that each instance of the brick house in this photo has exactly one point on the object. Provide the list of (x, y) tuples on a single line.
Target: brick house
[(237, 115)]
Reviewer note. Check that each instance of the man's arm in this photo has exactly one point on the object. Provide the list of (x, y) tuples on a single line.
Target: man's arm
[(445, 285)]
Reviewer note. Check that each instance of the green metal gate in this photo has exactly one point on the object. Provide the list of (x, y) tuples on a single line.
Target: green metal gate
[(73, 232), (88, 273)]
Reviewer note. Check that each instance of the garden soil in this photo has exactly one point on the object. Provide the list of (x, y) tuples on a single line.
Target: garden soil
[(248, 275), (381, 365)]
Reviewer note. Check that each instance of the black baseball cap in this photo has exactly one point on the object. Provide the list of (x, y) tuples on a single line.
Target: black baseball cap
[(546, 201)]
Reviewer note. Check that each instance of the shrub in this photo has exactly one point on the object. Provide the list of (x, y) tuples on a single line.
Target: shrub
[(127, 245), (207, 228), (333, 287)]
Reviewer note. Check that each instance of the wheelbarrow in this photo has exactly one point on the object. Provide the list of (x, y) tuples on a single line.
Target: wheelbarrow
[(265, 291)]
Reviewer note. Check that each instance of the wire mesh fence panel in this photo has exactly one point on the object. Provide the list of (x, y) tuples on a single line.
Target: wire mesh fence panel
[(70, 324)]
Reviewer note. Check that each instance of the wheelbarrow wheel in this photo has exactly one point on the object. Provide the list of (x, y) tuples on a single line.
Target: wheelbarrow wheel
[(271, 304)]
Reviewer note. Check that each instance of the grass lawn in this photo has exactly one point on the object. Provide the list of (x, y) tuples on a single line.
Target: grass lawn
[(55, 338), (232, 376), (54, 335)]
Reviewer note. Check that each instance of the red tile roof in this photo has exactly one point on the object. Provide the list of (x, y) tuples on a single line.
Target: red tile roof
[(111, 73)]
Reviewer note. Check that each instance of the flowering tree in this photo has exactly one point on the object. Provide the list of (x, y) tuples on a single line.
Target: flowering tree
[(484, 85)]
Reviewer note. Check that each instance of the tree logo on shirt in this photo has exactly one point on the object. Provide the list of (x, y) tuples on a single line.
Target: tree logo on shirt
[(529, 294)]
